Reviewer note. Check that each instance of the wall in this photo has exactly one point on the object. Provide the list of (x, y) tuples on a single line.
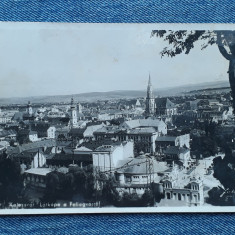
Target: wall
[(128, 150), (38, 161), (33, 137), (183, 140), (51, 132)]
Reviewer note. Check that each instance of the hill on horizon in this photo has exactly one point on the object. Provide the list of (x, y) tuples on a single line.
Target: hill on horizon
[(128, 94)]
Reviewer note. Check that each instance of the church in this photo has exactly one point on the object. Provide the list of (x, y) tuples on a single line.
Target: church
[(158, 106), (75, 114)]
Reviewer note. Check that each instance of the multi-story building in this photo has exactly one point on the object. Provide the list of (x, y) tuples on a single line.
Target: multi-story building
[(137, 176), (142, 131), (190, 193)]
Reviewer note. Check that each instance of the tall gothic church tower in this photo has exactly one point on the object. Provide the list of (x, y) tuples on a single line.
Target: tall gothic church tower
[(73, 115), (150, 100)]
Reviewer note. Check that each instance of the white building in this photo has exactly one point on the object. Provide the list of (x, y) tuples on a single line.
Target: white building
[(51, 132), (189, 193), (33, 136), (107, 158), (138, 174)]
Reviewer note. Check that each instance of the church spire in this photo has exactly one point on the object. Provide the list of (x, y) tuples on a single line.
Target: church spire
[(149, 89), (150, 101), (149, 83)]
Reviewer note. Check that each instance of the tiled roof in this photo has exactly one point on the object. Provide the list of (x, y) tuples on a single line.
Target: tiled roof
[(83, 149), (38, 171), (175, 150), (166, 138), (164, 103), (5, 133), (34, 145), (93, 145), (107, 129), (142, 123), (18, 116), (146, 130), (77, 131), (71, 157), (26, 154), (140, 165), (32, 132), (91, 129)]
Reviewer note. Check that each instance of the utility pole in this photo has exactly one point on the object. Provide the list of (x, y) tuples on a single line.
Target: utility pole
[(38, 159)]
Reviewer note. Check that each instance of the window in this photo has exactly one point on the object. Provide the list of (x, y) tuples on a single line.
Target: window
[(179, 197)]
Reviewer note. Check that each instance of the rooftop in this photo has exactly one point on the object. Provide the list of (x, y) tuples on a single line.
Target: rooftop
[(38, 171), (93, 145), (164, 103), (142, 123), (175, 150), (166, 138), (34, 145), (140, 165), (71, 157)]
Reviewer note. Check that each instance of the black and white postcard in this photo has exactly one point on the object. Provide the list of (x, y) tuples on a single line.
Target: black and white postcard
[(117, 118)]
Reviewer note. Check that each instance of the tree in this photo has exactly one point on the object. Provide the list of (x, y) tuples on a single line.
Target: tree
[(183, 41), (53, 183), (11, 181), (109, 193), (148, 198)]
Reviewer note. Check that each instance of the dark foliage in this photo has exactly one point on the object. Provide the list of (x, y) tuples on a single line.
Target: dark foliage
[(11, 181)]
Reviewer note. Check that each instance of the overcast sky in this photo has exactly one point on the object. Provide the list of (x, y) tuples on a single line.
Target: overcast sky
[(58, 59)]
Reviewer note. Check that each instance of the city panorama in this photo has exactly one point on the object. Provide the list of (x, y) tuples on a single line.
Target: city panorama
[(86, 122)]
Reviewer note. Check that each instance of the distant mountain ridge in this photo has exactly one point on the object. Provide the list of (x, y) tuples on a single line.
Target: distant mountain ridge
[(119, 94)]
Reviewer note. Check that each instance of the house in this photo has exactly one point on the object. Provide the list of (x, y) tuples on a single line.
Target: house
[(189, 193), (23, 136), (139, 123), (86, 133), (44, 130), (51, 132), (41, 144), (177, 154), (66, 159), (164, 141), (7, 134), (76, 133), (33, 136), (6, 117), (136, 175), (33, 158), (62, 133), (36, 177)]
